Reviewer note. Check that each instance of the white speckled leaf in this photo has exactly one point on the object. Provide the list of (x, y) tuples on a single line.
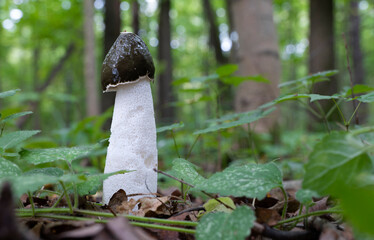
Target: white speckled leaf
[(7, 168), (305, 196), (337, 157), (223, 226), (251, 180), (12, 139), (39, 156), (186, 171)]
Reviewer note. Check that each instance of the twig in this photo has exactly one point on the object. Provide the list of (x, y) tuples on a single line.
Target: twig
[(189, 210)]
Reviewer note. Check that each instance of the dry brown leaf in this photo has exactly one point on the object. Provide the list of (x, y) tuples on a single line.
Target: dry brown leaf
[(267, 216)]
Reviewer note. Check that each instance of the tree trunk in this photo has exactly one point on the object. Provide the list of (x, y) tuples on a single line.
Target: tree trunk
[(357, 56), (214, 40), (165, 91), (92, 100), (257, 55), (135, 16), (112, 21), (321, 48)]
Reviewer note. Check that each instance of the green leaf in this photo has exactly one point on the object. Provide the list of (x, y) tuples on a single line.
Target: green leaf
[(214, 206), (92, 183), (29, 183), (304, 196), (186, 171), (226, 70), (170, 127), (12, 139), (337, 157), (237, 80), (180, 81), (7, 168), (243, 119), (222, 226), (50, 171), (251, 180), (8, 93), (367, 98), (13, 116), (204, 79), (356, 203), (317, 77), (358, 89), (38, 156), (313, 97)]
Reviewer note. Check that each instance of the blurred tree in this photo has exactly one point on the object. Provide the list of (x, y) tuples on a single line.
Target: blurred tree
[(214, 40), (322, 49), (357, 56), (92, 98), (112, 21), (165, 77), (135, 16), (257, 55)]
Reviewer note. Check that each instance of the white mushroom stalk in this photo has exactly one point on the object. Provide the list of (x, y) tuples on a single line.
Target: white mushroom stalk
[(128, 69)]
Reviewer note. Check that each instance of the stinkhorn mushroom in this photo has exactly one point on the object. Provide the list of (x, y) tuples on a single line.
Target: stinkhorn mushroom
[(128, 69)]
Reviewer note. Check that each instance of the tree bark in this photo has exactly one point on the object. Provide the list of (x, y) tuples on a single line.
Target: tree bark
[(135, 16), (357, 55), (214, 40), (165, 91), (112, 21), (321, 48), (92, 98), (257, 55)]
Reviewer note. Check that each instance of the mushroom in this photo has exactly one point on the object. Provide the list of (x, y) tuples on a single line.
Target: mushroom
[(128, 69)]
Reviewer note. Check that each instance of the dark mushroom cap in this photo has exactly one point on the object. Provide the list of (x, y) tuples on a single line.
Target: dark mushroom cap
[(127, 60)]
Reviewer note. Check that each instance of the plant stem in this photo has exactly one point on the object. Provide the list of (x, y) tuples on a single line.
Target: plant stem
[(340, 113), (316, 213), (67, 197), (354, 113), (39, 211), (32, 203), (139, 224), (175, 143), (192, 146), (285, 202)]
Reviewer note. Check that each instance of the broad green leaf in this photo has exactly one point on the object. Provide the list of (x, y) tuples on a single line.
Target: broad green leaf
[(7, 168), (13, 116), (12, 139), (186, 171), (251, 180), (38, 156), (304, 196), (237, 80), (204, 79), (8, 93), (180, 81), (313, 97), (243, 119), (214, 206), (170, 127), (367, 98), (222, 226), (92, 183), (51, 171), (356, 202), (337, 157), (321, 76), (226, 70), (29, 183), (358, 89)]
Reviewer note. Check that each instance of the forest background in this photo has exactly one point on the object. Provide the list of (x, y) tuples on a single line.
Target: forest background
[(213, 58)]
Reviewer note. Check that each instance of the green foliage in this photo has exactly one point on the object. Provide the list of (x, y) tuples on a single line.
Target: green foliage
[(38, 156), (236, 225), (12, 139), (339, 157), (7, 168), (304, 196), (170, 127), (186, 171), (216, 206), (251, 180)]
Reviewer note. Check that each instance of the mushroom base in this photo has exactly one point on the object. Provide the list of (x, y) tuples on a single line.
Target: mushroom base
[(132, 143)]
